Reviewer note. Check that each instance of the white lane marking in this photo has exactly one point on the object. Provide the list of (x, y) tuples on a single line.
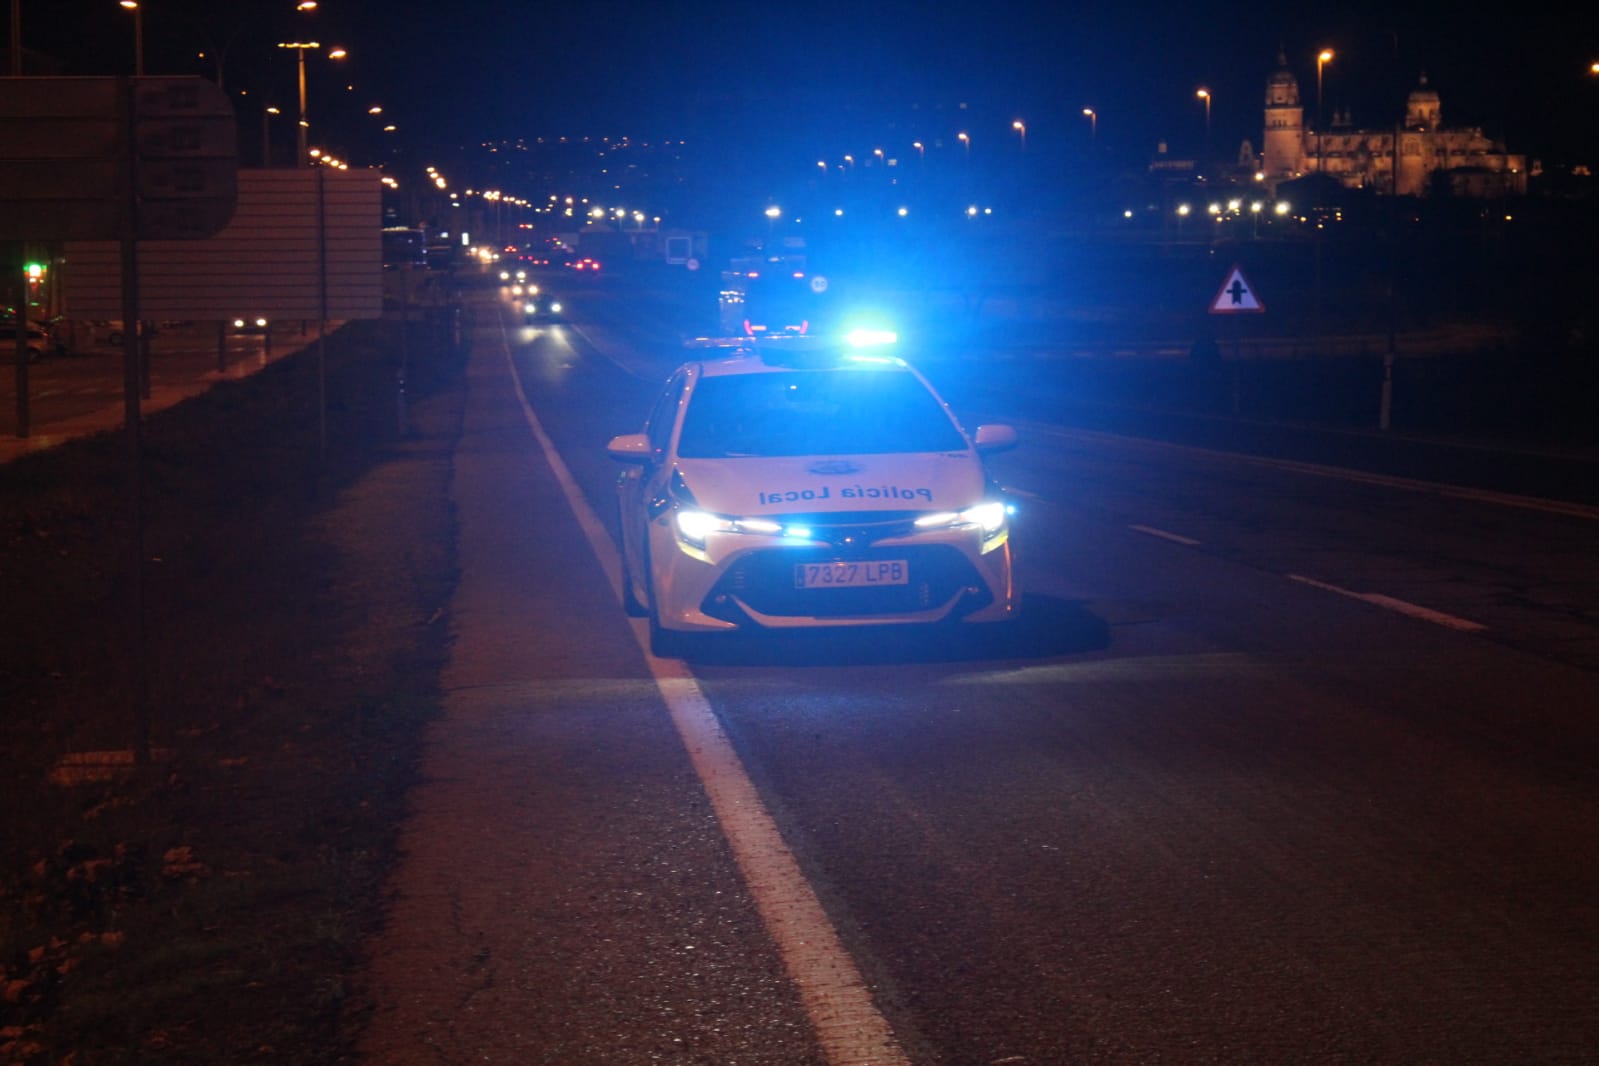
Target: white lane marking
[(1377, 599), (1435, 488), (848, 1025), (1163, 535)]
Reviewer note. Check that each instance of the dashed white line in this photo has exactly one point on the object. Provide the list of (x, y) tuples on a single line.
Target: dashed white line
[(1175, 538), (848, 1025), (1434, 488), (1377, 599)]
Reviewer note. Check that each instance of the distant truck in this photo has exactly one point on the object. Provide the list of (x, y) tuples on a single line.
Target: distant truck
[(771, 295)]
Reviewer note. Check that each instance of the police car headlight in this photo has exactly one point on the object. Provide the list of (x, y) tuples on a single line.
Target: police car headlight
[(989, 516), (694, 526)]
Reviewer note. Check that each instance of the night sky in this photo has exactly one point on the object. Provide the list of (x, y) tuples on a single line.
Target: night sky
[(827, 76)]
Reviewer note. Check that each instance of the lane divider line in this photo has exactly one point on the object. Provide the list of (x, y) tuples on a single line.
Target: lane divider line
[(848, 1025), (1163, 535), (1387, 481), (1377, 599)]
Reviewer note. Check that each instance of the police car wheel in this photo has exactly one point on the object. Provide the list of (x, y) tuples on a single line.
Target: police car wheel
[(630, 601), (664, 643)]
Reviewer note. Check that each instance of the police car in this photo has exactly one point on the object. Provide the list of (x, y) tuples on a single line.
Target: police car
[(804, 484)]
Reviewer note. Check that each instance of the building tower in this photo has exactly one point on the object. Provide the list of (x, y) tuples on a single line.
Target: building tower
[(1282, 153)]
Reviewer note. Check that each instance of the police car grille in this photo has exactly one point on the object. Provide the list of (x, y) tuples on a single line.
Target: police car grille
[(765, 581)]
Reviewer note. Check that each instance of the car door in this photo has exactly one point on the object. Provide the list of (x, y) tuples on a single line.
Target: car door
[(640, 483)]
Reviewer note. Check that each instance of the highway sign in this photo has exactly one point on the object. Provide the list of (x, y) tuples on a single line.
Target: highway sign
[(76, 155), (1236, 296), (300, 240)]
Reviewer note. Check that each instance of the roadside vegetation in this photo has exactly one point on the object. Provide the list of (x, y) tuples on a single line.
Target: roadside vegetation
[(208, 905)]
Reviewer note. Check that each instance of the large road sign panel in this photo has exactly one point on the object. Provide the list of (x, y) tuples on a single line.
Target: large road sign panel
[(268, 260), (73, 150)]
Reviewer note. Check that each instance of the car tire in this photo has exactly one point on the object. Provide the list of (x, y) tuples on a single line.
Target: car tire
[(664, 643), (630, 601)]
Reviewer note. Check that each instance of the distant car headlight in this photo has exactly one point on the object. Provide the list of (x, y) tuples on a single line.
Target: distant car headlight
[(555, 309)]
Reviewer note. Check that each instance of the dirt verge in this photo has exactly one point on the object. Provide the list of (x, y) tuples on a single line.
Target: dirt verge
[(208, 906)]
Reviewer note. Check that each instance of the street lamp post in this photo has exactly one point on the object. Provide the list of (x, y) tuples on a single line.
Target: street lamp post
[(1093, 126), (1204, 95), (1322, 59), (267, 111), (300, 140), (138, 36), (1021, 127), (966, 140)]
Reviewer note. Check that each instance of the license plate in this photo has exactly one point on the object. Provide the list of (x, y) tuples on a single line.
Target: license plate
[(851, 575)]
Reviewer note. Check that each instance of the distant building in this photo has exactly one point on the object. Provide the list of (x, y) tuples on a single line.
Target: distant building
[(1464, 160)]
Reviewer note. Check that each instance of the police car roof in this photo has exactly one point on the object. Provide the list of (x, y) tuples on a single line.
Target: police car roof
[(803, 353)]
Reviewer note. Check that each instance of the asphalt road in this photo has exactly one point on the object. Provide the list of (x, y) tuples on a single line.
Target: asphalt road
[(82, 392), (1283, 762)]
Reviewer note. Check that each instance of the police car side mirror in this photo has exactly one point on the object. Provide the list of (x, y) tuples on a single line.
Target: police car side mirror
[(630, 448), (994, 438)]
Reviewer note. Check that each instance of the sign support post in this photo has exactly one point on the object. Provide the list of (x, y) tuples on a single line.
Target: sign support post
[(1236, 297)]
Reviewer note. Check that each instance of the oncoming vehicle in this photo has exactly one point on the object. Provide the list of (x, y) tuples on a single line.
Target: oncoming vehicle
[(800, 484), (537, 305)]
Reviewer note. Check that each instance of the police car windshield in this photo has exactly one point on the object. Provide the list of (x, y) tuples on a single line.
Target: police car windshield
[(815, 412)]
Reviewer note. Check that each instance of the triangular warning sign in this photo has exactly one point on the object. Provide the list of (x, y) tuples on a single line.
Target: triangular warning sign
[(1236, 295)]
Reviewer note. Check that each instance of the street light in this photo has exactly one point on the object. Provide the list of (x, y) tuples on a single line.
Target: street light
[(1021, 127), (1093, 125), (966, 140), (921, 149), (300, 142), (1204, 94), (138, 36), (1322, 59), (267, 110)]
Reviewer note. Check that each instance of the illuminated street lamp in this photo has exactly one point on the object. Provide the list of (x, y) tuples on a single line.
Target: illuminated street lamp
[(921, 149), (1322, 59), (1021, 127), (1093, 124), (966, 140), (1204, 94), (267, 111), (299, 47), (138, 36)]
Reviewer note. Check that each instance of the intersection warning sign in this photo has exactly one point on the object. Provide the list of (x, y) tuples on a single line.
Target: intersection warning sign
[(1236, 296)]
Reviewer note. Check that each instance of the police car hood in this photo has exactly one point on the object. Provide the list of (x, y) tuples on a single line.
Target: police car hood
[(932, 481)]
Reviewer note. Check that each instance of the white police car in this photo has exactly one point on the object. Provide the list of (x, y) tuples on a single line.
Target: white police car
[(793, 485)]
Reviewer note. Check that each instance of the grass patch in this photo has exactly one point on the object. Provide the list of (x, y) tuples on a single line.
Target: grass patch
[(209, 906)]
